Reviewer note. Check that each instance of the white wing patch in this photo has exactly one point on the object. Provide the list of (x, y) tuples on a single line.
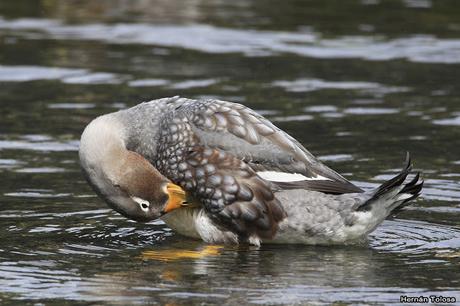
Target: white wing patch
[(285, 177)]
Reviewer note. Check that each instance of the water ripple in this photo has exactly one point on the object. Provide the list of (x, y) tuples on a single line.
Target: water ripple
[(10, 163), (442, 189), (148, 82), (71, 105), (415, 237), (210, 39), (291, 118), (66, 75), (370, 111), (41, 170), (306, 85), (300, 294), (35, 280), (335, 157), (193, 84), (448, 121), (36, 193), (39, 145)]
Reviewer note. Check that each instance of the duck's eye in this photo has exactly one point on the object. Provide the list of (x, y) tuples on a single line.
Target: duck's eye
[(143, 204)]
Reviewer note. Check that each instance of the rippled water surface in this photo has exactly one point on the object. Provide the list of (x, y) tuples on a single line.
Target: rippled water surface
[(357, 82)]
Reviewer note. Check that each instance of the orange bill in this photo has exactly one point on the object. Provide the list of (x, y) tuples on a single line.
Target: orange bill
[(176, 197)]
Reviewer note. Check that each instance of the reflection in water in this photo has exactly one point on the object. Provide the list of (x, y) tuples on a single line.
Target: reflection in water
[(170, 255), (354, 88), (183, 268)]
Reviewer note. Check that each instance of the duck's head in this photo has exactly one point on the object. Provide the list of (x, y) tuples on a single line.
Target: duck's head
[(124, 178)]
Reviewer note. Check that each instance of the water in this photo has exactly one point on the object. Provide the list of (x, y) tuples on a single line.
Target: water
[(359, 83)]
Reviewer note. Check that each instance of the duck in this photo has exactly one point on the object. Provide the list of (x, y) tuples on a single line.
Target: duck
[(220, 172)]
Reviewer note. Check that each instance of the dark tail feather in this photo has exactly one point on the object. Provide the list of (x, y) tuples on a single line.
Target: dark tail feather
[(397, 180), (413, 188)]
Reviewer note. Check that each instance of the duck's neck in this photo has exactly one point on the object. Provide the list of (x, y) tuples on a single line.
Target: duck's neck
[(116, 154), (141, 127), (102, 147)]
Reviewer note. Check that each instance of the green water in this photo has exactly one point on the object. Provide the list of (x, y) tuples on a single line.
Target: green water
[(358, 83)]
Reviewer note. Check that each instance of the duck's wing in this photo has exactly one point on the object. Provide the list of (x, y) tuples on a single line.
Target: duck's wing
[(231, 192), (222, 152), (269, 151)]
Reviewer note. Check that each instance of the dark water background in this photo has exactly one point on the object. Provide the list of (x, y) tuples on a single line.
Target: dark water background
[(357, 82)]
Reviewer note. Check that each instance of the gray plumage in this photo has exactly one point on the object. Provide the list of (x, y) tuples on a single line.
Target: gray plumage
[(318, 218), (213, 149), (231, 161), (315, 217)]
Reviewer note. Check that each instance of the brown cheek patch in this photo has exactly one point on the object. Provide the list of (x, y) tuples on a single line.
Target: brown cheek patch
[(139, 178)]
